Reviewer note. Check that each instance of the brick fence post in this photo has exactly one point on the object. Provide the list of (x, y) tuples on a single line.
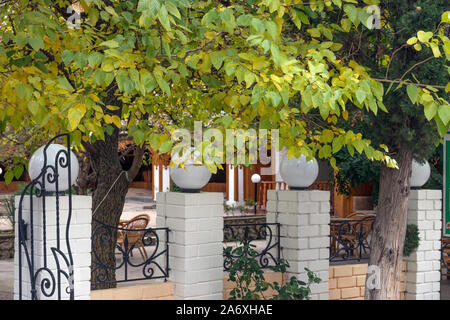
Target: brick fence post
[(304, 216), (80, 245), (423, 273), (195, 221)]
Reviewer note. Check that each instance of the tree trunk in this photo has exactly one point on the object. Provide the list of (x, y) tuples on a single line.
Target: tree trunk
[(107, 206), (389, 229), (112, 184)]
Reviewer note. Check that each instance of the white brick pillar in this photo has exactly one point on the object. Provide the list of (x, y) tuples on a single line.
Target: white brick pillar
[(195, 221), (304, 233), (79, 242), (423, 273)]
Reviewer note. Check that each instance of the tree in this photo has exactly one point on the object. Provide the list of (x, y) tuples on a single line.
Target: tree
[(155, 66), (410, 63)]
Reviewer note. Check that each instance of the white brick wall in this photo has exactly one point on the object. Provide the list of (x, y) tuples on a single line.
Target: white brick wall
[(195, 242), (304, 218), (423, 265), (80, 244)]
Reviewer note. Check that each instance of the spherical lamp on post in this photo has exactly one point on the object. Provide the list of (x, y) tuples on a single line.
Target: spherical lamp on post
[(55, 159), (192, 177), (420, 173), (256, 178), (298, 173)]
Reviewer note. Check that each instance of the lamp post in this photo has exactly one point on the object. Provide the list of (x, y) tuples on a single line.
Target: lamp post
[(55, 158), (256, 178), (298, 173), (420, 173)]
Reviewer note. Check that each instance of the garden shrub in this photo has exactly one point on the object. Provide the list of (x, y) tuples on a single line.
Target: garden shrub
[(411, 239), (250, 283)]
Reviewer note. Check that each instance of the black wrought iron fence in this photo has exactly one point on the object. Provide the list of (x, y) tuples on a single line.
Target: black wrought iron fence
[(264, 236), (350, 239), (141, 253)]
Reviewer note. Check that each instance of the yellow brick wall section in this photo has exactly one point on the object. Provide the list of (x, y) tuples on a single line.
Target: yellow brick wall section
[(347, 282), (165, 291), (153, 291)]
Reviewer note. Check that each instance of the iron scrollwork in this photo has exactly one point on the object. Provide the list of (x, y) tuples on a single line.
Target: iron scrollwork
[(349, 239), (153, 266), (43, 279), (268, 255)]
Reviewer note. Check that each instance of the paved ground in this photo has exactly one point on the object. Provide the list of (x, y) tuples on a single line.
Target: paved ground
[(6, 279)]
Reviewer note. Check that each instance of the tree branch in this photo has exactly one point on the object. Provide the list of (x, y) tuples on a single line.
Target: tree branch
[(415, 84), (392, 57), (137, 162), (417, 64)]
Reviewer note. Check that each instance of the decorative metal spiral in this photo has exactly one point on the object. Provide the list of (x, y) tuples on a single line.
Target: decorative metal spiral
[(349, 237), (47, 284), (263, 231), (150, 267), (43, 279)]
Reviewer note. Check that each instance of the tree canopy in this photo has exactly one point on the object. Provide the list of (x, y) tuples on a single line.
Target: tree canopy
[(267, 64)]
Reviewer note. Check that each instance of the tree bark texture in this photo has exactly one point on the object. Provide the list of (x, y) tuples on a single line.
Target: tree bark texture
[(389, 229), (108, 200)]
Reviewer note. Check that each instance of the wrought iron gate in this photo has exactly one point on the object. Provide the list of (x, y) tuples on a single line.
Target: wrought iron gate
[(44, 253)]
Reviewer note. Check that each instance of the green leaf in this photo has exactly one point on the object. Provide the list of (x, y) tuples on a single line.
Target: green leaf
[(361, 95), (444, 113), (99, 76), (411, 41), (33, 106), (163, 17), (9, 176), (64, 84), (163, 85), (74, 117), (217, 58), (94, 59), (137, 134), (359, 145), (446, 17), (18, 170), (351, 12), (110, 44), (67, 57), (338, 143), (424, 36), (412, 91), (430, 110), (36, 42), (41, 66), (80, 59), (435, 49), (442, 129), (166, 146)]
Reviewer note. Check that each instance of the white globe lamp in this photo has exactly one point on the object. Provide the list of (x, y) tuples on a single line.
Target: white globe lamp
[(298, 173), (56, 157), (256, 178), (420, 173), (192, 177)]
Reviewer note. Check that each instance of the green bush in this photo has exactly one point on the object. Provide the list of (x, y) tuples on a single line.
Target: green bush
[(249, 281), (411, 239), (175, 188)]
